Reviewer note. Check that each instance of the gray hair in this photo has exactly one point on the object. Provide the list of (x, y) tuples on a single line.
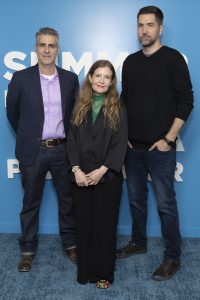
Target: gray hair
[(47, 31)]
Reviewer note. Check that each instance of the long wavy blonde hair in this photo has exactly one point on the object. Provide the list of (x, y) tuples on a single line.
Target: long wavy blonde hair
[(111, 104)]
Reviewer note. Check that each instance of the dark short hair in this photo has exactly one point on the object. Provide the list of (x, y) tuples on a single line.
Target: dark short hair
[(152, 10), (48, 31)]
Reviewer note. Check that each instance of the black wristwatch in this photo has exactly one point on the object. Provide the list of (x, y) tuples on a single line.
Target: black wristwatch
[(168, 142)]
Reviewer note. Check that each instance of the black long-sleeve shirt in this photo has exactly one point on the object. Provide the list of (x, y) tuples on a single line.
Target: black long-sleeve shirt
[(157, 89)]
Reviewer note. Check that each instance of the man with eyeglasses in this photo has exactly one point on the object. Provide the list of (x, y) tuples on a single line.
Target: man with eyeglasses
[(40, 100)]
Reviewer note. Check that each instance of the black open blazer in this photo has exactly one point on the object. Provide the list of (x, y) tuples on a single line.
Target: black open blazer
[(92, 145)]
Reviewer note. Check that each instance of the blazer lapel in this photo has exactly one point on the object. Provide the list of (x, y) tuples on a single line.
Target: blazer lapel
[(97, 125), (37, 86), (99, 122), (63, 89)]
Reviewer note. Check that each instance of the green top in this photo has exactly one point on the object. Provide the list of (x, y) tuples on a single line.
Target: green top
[(96, 105)]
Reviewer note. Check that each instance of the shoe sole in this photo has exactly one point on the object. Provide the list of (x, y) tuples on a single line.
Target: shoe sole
[(165, 278), (128, 255), (22, 270)]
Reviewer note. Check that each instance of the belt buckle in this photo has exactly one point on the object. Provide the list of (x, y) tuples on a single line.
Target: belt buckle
[(47, 143)]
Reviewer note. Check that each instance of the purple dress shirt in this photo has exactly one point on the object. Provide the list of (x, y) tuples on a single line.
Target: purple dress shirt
[(53, 119)]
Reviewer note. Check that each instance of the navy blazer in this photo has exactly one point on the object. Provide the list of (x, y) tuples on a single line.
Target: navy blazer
[(25, 110)]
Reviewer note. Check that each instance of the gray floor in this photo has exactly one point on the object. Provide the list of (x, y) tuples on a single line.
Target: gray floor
[(53, 276)]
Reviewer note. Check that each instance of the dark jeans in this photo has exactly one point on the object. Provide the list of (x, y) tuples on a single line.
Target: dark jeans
[(53, 159), (161, 167)]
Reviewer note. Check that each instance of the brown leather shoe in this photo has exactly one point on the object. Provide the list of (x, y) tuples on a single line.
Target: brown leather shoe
[(130, 249), (71, 254), (26, 262), (167, 269)]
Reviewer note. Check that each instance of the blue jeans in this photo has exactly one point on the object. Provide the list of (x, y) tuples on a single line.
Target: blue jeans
[(161, 167)]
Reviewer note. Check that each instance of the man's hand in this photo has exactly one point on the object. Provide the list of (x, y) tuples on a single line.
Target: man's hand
[(161, 145), (130, 145)]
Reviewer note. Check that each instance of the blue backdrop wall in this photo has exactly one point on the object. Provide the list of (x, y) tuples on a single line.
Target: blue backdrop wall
[(90, 30)]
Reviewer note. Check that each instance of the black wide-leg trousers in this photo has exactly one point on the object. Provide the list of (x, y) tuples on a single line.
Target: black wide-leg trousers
[(96, 216)]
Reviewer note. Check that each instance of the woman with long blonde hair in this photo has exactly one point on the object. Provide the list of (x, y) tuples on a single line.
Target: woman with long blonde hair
[(97, 144)]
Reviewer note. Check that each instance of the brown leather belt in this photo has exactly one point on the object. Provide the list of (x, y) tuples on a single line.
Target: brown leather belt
[(52, 142)]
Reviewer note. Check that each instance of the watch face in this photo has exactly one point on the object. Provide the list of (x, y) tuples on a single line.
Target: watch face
[(75, 168)]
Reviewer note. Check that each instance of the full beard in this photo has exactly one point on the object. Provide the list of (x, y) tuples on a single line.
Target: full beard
[(147, 43)]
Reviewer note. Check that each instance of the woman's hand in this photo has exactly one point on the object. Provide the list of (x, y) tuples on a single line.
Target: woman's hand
[(94, 176), (80, 177)]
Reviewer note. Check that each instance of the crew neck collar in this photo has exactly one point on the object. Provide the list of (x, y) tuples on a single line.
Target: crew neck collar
[(151, 54)]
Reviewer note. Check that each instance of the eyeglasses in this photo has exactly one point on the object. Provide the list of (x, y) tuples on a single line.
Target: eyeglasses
[(50, 46)]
